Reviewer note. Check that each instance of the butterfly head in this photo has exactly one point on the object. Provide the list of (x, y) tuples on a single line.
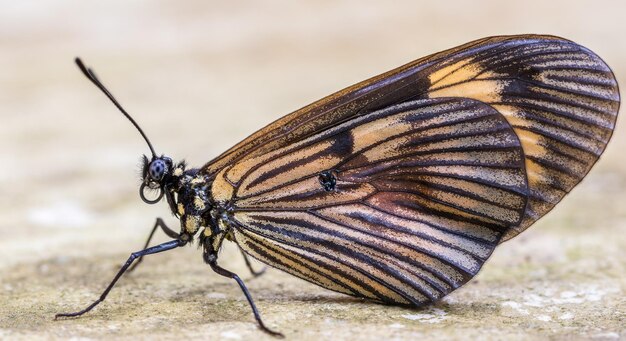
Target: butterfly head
[(156, 174)]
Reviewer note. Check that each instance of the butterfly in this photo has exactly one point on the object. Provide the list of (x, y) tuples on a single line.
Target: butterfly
[(397, 189)]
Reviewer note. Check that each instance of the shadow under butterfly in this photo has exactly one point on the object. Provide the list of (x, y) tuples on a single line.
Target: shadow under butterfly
[(398, 188)]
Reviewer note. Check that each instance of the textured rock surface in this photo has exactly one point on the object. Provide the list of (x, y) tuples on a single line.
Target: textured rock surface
[(200, 78)]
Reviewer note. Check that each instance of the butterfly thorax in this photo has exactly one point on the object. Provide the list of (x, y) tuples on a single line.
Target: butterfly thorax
[(188, 194), (191, 201)]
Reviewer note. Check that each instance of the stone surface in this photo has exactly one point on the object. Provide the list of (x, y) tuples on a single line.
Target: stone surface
[(201, 77)]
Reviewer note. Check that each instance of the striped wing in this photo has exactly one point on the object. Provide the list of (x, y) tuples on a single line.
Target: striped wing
[(423, 191), (561, 99)]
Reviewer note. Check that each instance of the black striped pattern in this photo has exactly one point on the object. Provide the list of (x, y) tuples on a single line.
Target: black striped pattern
[(433, 164), (425, 189)]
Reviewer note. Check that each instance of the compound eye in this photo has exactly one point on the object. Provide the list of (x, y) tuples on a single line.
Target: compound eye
[(157, 169)]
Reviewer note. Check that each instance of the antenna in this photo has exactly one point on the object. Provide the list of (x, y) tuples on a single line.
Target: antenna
[(92, 77)]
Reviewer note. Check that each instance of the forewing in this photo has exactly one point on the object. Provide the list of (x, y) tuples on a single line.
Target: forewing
[(561, 99), (424, 191)]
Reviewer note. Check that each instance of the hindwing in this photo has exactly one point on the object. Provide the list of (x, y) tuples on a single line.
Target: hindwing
[(422, 192)]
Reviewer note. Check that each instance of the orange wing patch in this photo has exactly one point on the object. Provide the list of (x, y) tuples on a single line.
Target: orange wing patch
[(561, 100)]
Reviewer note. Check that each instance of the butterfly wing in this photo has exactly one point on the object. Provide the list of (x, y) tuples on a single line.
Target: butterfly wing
[(422, 192), (561, 99)]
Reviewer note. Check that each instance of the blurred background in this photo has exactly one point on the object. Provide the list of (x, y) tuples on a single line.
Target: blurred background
[(199, 76)]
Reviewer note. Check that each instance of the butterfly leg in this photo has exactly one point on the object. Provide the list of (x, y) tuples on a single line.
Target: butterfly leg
[(211, 259), (155, 249), (249, 265), (168, 231)]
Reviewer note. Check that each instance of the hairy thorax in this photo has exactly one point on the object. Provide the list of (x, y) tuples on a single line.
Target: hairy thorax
[(189, 199), (196, 209)]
